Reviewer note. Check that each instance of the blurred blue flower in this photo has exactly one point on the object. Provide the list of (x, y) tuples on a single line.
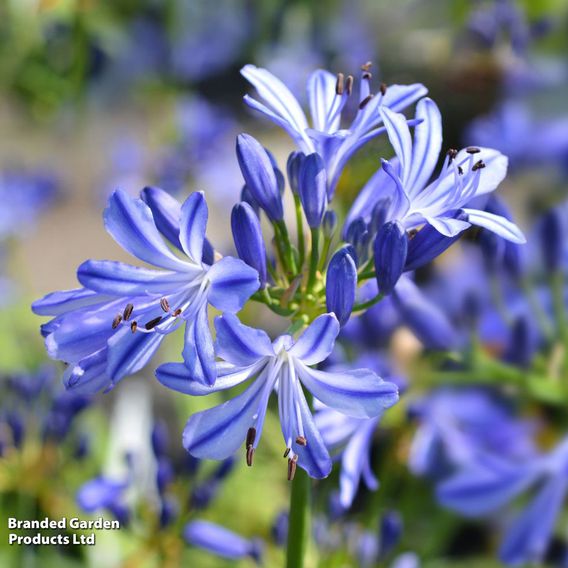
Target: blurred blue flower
[(285, 365), (112, 327), (107, 494)]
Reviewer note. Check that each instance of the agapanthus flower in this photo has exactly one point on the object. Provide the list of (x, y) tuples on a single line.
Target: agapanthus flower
[(490, 484), (328, 94), (112, 326), (414, 200), (283, 365), (105, 493)]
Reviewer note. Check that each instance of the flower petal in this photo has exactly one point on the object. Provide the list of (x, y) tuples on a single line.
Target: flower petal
[(317, 341), (88, 376), (193, 223), (359, 393), (322, 96), (448, 226), (496, 224), (239, 344), (198, 350), (232, 283), (398, 97), (58, 303), (166, 211), (399, 137)]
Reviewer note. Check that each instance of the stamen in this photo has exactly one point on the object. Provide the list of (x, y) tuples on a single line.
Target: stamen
[(460, 170), (116, 321), (153, 323), (452, 153), (349, 84), (478, 166), (133, 326), (177, 313), (127, 312), (339, 85), (165, 305), (365, 101), (301, 441), (367, 76), (366, 66), (472, 150), (292, 465), (287, 451), (383, 88), (250, 456), (251, 437)]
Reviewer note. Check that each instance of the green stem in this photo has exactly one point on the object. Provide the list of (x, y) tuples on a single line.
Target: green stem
[(298, 527), (300, 229), (314, 257), (288, 254), (368, 304), (324, 253)]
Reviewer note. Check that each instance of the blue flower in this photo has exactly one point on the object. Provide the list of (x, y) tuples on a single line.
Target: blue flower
[(222, 542), (105, 493), (113, 326), (328, 95), (390, 248), (341, 284), (283, 365), (414, 201)]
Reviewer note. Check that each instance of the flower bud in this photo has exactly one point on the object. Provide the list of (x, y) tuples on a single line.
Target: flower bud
[(247, 235), (329, 223), (293, 167), (553, 238), (341, 284), (358, 235), (312, 187), (522, 344), (379, 214), (390, 532), (390, 250), (258, 172)]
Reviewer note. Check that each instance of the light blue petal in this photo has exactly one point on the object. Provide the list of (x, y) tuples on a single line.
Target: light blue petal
[(88, 376), (58, 303), (398, 97), (132, 226), (166, 211), (359, 393), (496, 224), (120, 279), (400, 203), (218, 433), (232, 283), (198, 350), (193, 223), (322, 96), (317, 341), (399, 137), (239, 344), (448, 226)]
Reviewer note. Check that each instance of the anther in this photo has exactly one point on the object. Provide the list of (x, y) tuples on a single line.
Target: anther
[(127, 312), (177, 313), (367, 76), (116, 321), (365, 101), (383, 88), (349, 84), (165, 305), (292, 465), (452, 153), (301, 441), (133, 326), (287, 451), (366, 66), (460, 170), (339, 85), (153, 323), (472, 150), (251, 437), (250, 456), (478, 166)]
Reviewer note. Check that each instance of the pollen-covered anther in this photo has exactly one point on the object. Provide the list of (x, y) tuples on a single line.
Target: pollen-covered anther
[(365, 101), (133, 326), (472, 150), (251, 437), (349, 84), (153, 323), (287, 451), (366, 66), (165, 305), (127, 312), (340, 84), (250, 456), (452, 153), (292, 465), (301, 441), (116, 321), (460, 170), (177, 312), (478, 166), (383, 88), (368, 76)]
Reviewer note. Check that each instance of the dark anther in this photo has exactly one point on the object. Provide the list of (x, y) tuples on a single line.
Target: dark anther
[(165, 305), (301, 441), (116, 321), (366, 66), (177, 313), (460, 170), (478, 166), (251, 437), (339, 84), (367, 76), (292, 464), (412, 233), (365, 101), (286, 452), (250, 456), (153, 323), (133, 326), (383, 88), (349, 84), (452, 153), (127, 312), (472, 150)]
